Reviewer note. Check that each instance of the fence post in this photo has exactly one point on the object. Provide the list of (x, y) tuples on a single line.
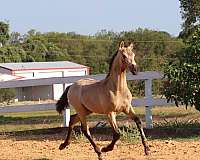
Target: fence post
[(66, 117), (148, 107)]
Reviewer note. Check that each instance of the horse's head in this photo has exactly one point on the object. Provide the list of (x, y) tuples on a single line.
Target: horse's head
[(127, 57)]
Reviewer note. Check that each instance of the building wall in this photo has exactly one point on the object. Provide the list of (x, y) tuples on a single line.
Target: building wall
[(75, 72), (26, 75), (24, 93), (5, 71), (39, 74), (42, 92), (51, 73), (46, 92), (34, 93)]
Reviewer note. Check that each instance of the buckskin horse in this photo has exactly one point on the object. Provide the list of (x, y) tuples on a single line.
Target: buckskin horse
[(108, 96)]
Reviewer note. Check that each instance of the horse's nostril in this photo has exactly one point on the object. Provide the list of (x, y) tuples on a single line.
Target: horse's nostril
[(133, 69)]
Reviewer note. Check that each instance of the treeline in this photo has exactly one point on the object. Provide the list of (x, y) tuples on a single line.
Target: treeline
[(152, 49)]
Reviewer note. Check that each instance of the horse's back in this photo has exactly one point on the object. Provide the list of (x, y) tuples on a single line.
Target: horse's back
[(88, 93), (87, 81), (76, 90)]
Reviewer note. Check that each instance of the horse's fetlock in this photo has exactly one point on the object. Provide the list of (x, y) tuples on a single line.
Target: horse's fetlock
[(97, 150)]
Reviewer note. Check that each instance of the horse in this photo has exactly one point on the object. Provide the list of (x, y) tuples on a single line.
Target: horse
[(108, 96)]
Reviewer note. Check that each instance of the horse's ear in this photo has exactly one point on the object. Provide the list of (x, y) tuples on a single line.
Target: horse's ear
[(131, 46), (121, 45)]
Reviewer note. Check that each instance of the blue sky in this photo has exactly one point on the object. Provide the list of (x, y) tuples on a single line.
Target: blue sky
[(90, 16)]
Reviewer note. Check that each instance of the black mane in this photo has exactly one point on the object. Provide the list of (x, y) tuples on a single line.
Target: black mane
[(111, 62)]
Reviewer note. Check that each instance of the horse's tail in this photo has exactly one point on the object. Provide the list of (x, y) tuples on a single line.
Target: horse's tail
[(62, 103)]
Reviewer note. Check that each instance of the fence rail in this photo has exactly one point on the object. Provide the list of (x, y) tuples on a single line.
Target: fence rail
[(148, 101)]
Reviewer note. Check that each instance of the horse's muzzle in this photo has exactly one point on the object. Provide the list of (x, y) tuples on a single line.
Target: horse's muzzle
[(133, 68)]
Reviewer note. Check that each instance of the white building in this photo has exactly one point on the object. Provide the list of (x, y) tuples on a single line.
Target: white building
[(32, 70)]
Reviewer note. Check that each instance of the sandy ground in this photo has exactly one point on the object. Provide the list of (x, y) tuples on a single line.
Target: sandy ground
[(38, 147)]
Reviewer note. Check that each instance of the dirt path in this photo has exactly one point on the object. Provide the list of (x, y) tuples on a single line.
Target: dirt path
[(32, 148)]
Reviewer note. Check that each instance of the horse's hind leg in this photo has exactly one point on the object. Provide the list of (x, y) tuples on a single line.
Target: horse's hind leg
[(86, 132), (73, 120), (116, 135), (130, 112)]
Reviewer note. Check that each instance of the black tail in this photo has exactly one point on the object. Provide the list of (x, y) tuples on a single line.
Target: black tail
[(62, 103)]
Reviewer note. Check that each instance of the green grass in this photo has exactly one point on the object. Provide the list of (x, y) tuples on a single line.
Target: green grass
[(129, 134), (169, 122), (31, 114), (29, 120)]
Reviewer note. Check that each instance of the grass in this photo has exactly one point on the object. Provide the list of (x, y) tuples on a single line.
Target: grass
[(129, 134), (29, 120), (169, 122)]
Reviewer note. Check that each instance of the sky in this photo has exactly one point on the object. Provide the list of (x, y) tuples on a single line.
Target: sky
[(90, 16)]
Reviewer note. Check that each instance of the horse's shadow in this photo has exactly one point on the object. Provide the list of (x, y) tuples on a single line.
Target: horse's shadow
[(102, 133), (58, 133)]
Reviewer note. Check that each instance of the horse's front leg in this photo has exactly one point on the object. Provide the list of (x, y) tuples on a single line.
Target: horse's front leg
[(130, 112), (116, 135)]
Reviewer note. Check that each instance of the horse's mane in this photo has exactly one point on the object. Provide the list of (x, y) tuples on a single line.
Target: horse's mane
[(113, 57), (111, 63)]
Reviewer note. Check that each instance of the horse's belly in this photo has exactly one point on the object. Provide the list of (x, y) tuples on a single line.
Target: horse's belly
[(94, 104)]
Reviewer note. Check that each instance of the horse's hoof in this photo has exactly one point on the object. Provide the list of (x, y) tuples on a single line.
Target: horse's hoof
[(106, 149), (101, 157), (62, 146), (147, 151)]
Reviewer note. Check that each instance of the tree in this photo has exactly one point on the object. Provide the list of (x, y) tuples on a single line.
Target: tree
[(56, 54), (35, 49), (183, 75), (31, 32), (7, 94), (11, 53), (4, 32), (15, 37), (190, 10)]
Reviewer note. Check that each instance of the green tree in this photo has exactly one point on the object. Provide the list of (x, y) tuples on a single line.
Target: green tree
[(11, 53), (183, 75), (15, 37), (56, 54), (4, 32), (35, 49), (190, 10), (152, 47), (7, 94)]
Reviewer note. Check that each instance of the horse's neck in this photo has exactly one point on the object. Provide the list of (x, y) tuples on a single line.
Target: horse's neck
[(117, 79)]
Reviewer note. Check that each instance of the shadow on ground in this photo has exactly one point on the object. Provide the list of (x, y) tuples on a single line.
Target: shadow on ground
[(105, 133)]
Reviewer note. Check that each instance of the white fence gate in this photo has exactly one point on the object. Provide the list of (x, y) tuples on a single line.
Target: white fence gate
[(148, 101)]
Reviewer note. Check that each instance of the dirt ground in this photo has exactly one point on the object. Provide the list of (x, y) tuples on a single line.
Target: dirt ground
[(43, 144), (46, 147)]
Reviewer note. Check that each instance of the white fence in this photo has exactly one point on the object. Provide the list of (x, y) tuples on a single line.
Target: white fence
[(148, 101)]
